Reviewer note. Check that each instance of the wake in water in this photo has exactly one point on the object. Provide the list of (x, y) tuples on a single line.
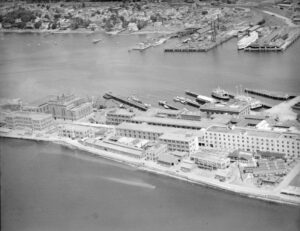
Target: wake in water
[(130, 182)]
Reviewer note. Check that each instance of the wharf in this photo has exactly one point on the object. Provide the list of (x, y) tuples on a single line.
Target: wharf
[(125, 101), (167, 106), (203, 48), (192, 103), (269, 94), (190, 93)]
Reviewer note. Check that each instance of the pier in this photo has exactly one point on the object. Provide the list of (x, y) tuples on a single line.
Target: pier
[(190, 93), (123, 100), (269, 94)]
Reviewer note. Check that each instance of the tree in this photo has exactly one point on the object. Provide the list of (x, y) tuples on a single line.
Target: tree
[(37, 25)]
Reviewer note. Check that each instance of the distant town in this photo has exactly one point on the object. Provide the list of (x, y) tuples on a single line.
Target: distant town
[(228, 141), (185, 26)]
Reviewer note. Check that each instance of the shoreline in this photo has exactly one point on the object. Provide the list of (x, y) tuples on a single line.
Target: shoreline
[(139, 165)]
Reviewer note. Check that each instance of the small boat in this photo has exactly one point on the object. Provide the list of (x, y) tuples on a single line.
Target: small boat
[(147, 105), (159, 42), (95, 41), (162, 102), (220, 94), (136, 99), (166, 106)]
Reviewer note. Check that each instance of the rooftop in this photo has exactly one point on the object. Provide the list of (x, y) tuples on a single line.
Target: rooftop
[(157, 129), (211, 155), (32, 115), (232, 106), (177, 137), (167, 158), (204, 123), (245, 131), (121, 111)]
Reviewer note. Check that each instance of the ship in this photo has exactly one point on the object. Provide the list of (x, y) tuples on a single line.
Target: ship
[(133, 98), (247, 40), (142, 46), (180, 99), (220, 94), (254, 103), (96, 41), (159, 42)]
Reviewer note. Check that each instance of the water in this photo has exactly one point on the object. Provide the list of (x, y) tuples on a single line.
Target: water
[(36, 65), (49, 187)]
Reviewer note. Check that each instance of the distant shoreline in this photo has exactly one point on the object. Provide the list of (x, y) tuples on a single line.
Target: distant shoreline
[(242, 191)]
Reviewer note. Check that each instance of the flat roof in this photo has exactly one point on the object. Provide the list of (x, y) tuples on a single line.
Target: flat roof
[(76, 127), (204, 123), (178, 136), (247, 131), (211, 155), (121, 111), (32, 115), (235, 106), (119, 147), (167, 158), (157, 129)]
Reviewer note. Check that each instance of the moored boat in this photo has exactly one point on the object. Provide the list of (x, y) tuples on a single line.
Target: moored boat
[(220, 94)]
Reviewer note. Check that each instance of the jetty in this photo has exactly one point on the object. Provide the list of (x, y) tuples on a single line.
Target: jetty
[(124, 100), (269, 94)]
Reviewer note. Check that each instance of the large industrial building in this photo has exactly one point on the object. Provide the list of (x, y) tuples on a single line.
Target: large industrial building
[(253, 140), (232, 108), (69, 107), (34, 121)]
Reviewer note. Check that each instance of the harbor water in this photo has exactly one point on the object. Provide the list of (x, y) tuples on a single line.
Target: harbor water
[(45, 186), (37, 65)]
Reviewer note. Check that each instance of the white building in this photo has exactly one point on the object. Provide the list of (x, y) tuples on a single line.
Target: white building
[(211, 159), (180, 142), (153, 152), (76, 131), (117, 116), (69, 107), (34, 121), (253, 140)]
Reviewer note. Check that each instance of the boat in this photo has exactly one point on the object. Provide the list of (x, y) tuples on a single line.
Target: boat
[(254, 103), (147, 105), (142, 46), (180, 99), (247, 40), (204, 99), (162, 102), (166, 106), (220, 94), (296, 106), (136, 99), (159, 42), (96, 41)]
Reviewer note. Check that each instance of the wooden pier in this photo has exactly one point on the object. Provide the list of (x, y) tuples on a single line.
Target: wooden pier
[(123, 100), (269, 94)]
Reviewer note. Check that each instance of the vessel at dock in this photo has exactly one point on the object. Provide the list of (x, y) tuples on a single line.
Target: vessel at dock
[(254, 103), (142, 46), (180, 99), (95, 41), (204, 99), (159, 42), (247, 40), (220, 94)]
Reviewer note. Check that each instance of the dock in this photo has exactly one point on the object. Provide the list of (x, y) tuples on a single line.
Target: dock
[(190, 93), (124, 100), (269, 94)]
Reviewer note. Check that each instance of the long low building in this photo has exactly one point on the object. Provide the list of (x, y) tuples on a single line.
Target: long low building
[(179, 123), (180, 142), (115, 147), (211, 159), (34, 121), (76, 131), (253, 140), (231, 108), (151, 132)]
